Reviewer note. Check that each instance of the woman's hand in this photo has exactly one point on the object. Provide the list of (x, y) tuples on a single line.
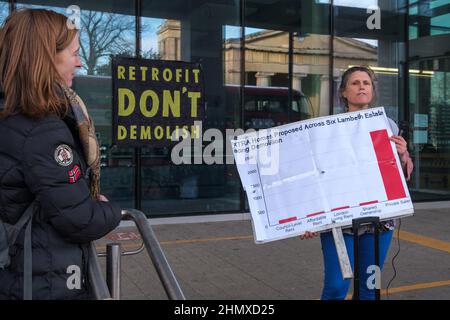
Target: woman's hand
[(309, 235), (405, 159), (102, 198), (400, 144)]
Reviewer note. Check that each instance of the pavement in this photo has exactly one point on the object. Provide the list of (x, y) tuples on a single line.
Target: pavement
[(219, 260)]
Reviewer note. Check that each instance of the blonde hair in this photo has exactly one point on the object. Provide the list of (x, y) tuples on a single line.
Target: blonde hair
[(29, 42)]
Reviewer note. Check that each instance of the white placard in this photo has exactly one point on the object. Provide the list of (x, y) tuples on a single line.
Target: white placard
[(317, 174)]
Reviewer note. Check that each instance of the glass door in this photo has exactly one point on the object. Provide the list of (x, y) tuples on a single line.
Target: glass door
[(429, 138)]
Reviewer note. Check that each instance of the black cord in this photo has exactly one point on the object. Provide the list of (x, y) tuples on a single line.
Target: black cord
[(393, 259)]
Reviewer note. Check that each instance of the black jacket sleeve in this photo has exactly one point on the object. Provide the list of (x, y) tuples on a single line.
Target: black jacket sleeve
[(65, 204)]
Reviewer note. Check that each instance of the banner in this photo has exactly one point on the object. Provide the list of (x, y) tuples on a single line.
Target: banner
[(318, 174), (155, 100)]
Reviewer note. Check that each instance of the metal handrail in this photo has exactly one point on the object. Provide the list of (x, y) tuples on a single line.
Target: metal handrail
[(113, 267), (98, 283), (156, 254), (126, 253), (131, 252)]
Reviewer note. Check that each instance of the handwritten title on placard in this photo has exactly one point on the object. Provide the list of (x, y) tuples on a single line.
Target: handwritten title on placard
[(156, 102)]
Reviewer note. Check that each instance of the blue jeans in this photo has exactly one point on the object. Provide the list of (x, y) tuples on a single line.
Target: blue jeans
[(335, 287)]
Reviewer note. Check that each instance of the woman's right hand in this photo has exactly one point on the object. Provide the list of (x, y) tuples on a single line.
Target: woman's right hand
[(309, 235)]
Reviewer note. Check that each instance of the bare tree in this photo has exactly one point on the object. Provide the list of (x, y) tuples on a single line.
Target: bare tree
[(105, 69), (103, 34)]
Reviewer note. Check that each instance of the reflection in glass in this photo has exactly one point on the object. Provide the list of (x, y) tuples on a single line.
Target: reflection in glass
[(382, 51), (194, 36), (104, 34), (428, 18), (430, 104), (4, 11), (267, 94), (290, 74)]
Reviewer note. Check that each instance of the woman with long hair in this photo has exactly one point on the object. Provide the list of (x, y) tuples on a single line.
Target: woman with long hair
[(49, 161)]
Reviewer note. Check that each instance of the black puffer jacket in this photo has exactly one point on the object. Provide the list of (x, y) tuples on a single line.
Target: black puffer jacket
[(67, 219)]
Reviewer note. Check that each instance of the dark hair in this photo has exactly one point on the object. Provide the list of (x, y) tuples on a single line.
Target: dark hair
[(346, 75), (29, 42)]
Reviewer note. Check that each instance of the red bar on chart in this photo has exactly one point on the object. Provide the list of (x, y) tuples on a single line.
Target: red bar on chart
[(340, 208), (315, 214), (368, 202), (388, 166), (287, 220)]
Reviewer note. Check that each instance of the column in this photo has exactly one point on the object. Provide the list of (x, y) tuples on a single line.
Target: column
[(297, 81), (324, 95), (263, 79)]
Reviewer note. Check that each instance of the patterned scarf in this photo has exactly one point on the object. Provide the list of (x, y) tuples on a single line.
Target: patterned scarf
[(87, 137)]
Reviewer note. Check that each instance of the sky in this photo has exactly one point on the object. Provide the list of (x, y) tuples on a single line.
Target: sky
[(149, 36)]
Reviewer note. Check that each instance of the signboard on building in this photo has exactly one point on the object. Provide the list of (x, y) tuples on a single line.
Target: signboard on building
[(319, 174), (155, 101)]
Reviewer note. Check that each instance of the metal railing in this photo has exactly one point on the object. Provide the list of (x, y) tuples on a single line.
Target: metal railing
[(99, 286), (113, 256)]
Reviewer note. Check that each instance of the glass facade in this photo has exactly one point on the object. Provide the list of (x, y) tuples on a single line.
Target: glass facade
[(265, 63), (429, 98)]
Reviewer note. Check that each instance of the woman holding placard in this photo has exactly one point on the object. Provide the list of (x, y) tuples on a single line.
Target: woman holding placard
[(357, 91)]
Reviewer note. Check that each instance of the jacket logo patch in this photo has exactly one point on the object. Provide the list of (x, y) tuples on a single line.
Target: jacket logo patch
[(63, 155), (74, 174)]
